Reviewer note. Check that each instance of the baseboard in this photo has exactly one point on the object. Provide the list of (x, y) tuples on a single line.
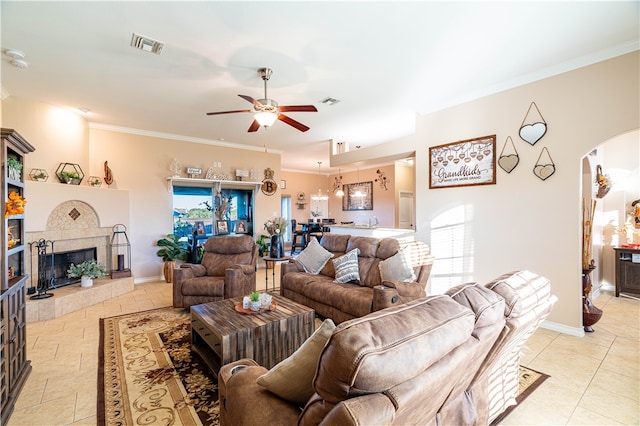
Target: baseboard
[(562, 328)]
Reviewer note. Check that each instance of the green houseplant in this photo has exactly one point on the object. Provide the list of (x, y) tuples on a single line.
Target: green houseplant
[(87, 271), (263, 245), (14, 167), (172, 249)]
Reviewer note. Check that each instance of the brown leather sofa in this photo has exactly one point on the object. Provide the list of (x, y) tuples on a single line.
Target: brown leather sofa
[(342, 302), (438, 360), (228, 269)]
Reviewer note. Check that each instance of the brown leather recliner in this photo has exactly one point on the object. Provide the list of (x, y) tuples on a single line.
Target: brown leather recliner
[(228, 269), (408, 364)]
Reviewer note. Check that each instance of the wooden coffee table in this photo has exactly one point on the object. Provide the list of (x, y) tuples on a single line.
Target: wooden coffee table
[(221, 335)]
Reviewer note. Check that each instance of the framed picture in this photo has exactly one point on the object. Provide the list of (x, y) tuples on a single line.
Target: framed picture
[(222, 227), (283, 184), (200, 229), (240, 227), (358, 196), (463, 163)]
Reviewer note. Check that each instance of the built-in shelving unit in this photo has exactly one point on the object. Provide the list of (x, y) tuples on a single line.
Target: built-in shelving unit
[(14, 366)]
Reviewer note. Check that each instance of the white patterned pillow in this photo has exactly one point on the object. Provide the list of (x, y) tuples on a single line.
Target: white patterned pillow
[(346, 267), (397, 267), (314, 257)]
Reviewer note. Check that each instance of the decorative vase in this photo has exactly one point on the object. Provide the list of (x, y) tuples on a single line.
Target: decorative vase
[(590, 313), (85, 281), (168, 270), (277, 247)]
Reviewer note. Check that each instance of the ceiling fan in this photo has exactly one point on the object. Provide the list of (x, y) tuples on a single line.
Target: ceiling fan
[(266, 111)]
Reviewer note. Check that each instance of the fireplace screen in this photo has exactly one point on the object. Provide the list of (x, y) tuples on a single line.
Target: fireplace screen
[(61, 263)]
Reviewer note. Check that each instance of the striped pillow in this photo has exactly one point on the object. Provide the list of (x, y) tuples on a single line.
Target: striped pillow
[(346, 267)]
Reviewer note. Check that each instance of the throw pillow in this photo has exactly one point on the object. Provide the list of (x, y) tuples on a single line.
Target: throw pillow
[(397, 267), (347, 267), (292, 378), (313, 257)]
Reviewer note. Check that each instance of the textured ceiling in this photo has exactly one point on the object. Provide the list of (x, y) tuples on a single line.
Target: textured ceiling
[(384, 61)]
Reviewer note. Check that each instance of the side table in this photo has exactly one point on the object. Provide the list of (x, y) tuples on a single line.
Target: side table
[(273, 261)]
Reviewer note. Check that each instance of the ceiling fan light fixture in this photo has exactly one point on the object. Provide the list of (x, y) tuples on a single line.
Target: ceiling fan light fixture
[(266, 118)]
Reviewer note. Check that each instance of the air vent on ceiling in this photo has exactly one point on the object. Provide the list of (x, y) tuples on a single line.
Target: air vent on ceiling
[(329, 101), (147, 44)]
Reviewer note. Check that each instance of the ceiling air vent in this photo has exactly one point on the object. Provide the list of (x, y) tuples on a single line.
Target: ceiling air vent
[(329, 101), (147, 44)]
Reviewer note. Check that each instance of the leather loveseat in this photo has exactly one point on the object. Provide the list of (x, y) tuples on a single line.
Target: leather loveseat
[(439, 360), (228, 269), (344, 301)]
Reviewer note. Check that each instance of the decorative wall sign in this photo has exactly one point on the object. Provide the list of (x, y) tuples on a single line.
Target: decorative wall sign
[(358, 196), (544, 167), (533, 127), (509, 160), (269, 186), (468, 162)]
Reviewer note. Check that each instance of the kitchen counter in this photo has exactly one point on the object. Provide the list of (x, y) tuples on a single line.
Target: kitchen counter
[(374, 231)]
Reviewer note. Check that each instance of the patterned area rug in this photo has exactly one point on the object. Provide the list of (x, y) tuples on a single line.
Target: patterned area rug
[(148, 376), (528, 382)]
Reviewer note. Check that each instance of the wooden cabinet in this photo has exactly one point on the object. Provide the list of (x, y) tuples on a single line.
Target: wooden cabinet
[(627, 271), (14, 366)]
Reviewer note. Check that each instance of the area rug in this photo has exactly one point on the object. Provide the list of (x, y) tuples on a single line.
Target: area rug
[(147, 374), (528, 382)]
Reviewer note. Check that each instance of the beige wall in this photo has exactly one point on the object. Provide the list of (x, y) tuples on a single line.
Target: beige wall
[(523, 222), (140, 166)]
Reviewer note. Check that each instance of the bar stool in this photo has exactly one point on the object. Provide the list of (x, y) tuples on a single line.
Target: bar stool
[(297, 246)]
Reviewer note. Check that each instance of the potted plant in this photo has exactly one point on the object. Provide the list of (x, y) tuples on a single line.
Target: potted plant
[(254, 297), (263, 245), (14, 167), (70, 177), (172, 249), (87, 271)]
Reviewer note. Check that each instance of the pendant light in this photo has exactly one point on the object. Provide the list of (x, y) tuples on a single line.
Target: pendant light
[(320, 196), (358, 193)]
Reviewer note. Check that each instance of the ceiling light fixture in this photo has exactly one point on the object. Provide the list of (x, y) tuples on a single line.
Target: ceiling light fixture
[(266, 118), (320, 196), (358, 193)]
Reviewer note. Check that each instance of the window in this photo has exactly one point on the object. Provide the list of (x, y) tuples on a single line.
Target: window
[(452, 246)]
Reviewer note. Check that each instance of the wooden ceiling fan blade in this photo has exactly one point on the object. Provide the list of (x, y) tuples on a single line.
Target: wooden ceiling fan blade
[(254, 126), (291, 122), (298, 108), (229, 112), (250, 99)]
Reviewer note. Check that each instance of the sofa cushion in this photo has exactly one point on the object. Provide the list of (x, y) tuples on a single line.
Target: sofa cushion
[(397, 267), (313, 257), (367, 245), (346, 267), (335, 243), (204, 286), (292, 378)]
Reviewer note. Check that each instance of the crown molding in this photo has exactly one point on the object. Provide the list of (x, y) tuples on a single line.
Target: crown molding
[(162, 135)]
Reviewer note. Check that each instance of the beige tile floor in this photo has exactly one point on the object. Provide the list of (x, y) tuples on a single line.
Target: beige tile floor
[(594, 380)]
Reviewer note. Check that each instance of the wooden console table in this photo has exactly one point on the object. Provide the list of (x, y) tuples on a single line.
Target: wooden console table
[(221, 335), (627, 270)]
